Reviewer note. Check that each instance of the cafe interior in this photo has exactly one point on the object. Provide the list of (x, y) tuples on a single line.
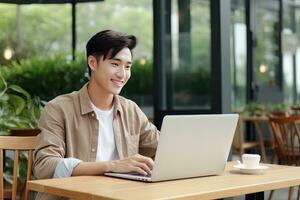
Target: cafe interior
[(195, 57)]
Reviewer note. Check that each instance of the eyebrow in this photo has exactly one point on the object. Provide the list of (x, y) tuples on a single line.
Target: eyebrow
[(119, 60)]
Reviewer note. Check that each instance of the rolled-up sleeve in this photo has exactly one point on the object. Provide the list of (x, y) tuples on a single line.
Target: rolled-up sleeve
[(50, 148), (65, 167)]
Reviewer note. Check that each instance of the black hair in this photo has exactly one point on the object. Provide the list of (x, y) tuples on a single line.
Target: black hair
[(108, 43)]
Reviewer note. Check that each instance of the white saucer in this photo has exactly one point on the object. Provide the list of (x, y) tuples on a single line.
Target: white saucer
[(257, 170)]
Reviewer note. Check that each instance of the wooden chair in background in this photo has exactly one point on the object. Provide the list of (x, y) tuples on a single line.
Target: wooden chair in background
[(287, 142), (15, 144), (240, 145)]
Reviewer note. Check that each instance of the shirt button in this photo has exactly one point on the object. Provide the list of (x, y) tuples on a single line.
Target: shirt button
[(93, 115), (93, 149)]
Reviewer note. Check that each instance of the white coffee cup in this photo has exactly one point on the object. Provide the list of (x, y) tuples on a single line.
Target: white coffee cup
[(251, 161)]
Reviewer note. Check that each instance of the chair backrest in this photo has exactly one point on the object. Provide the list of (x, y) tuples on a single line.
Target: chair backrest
[(16, 144), (276, 114), (238, 137), (287, 138)]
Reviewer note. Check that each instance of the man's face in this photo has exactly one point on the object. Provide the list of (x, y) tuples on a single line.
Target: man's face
[(111, 74)]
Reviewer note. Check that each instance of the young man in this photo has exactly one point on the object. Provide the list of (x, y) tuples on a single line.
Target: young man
[(94, 130)]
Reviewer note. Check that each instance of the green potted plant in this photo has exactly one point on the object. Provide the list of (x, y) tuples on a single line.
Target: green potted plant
[(254, 109), (280, 109), (18, 111)]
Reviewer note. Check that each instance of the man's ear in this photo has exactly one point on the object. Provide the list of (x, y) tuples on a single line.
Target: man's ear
[(92, 61)]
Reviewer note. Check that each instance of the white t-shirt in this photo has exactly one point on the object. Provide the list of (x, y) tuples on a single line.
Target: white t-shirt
[(106, 139)]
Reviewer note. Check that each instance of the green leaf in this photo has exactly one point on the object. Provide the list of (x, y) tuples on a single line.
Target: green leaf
[(3, 85), (17, 102), (7, 177), (8, 169), (3, 97), (19, 90)]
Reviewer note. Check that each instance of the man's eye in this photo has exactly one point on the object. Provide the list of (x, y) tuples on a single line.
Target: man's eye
[(115, 64), (128, 67)]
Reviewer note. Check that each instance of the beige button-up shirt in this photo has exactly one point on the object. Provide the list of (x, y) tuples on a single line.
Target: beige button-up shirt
[(69, 128)]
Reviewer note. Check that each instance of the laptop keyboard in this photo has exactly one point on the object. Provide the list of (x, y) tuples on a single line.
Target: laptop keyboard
[(137, 174)]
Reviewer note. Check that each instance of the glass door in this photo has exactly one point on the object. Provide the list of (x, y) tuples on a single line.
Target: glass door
[(191, 57), (238, 38), (267, 66)]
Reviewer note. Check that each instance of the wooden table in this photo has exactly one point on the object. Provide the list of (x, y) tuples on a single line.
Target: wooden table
[(230, 183)]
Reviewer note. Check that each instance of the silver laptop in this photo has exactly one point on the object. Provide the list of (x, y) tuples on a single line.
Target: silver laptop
[(190, 146)]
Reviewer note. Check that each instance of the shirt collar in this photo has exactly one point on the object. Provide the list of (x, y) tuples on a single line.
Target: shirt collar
[(117, 105), (85, 101)]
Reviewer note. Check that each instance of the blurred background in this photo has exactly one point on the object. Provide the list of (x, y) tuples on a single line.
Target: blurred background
[(43, 42), (193, 57)]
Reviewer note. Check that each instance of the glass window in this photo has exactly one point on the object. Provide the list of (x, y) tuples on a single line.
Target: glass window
[(35, 30), (291, 52), (129, 16), (267, 49), (238, 54), (46, 29), (287, 33), (189, 74), (297, 16), (7, 24)]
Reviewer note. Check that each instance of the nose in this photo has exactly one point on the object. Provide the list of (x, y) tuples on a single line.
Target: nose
[(121, 72)]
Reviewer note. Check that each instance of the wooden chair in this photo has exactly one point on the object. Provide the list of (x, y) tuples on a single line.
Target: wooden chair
[(240, 145), (287, 142), (16, 144)]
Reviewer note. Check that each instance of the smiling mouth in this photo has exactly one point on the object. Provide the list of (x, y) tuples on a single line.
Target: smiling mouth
[(118, 83)]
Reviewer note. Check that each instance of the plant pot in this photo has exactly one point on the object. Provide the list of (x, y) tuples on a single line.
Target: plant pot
[(24, 131)]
